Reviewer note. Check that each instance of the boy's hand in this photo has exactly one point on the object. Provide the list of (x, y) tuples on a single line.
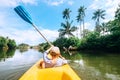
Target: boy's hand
[(50, 48)]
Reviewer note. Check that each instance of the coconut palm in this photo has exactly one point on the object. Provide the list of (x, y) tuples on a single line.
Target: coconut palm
[(117, 15), (66, 14), (103, 28), (67, 29), (99, 13), (80, 17)]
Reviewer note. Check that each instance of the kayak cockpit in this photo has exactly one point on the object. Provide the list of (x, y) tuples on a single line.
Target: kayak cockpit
[(64, 72)]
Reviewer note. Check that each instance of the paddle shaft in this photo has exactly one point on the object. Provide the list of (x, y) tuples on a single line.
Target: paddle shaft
[(41, 34), (44, 37)]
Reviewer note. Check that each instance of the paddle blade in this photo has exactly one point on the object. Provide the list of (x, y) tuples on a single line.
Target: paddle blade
[(20, 10)]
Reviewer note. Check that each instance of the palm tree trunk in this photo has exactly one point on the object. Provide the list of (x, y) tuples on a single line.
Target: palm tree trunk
[(80, 30), (83, 28)]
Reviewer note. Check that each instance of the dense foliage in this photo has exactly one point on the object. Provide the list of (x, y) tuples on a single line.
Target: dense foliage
[(109, 42), (105, 37), (23, 45), (11, 44), (43, 46), (66, 42), (108, 39), (7, 43)]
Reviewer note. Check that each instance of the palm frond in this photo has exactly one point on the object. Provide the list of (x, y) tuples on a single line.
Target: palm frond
[(73, 29), (63, 25), (61, 30)]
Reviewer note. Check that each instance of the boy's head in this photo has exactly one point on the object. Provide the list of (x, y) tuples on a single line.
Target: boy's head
[(55, 51)]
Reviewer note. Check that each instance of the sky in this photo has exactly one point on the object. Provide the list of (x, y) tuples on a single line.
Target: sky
[(47, 16)]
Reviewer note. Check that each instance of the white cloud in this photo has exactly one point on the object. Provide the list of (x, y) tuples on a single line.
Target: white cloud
[(108, 5), (50, 34), (29, 36), (2, 19), (89, 26), (7, 3), (70, 2), (58, 2), (12, 3), (30, 1), (54, 2)]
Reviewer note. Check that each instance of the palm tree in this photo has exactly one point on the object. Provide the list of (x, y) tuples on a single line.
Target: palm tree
[(66, 14), (117, 15), (99, 13), (86, 32), (103, 28), (67, 29), (80, 17)]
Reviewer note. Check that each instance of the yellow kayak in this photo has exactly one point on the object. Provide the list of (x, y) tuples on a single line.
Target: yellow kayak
[(64, 72)]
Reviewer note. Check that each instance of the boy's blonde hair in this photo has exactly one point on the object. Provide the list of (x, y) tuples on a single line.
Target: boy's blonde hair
[(55, 51)]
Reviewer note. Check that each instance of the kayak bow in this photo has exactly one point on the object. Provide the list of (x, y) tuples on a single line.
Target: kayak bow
[(64, 72)]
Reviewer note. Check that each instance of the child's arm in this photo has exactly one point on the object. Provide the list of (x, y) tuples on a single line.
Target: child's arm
[(49, 49), (46, 59)]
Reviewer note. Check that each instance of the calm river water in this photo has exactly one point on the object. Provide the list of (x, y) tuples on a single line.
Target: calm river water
[(87, 65)]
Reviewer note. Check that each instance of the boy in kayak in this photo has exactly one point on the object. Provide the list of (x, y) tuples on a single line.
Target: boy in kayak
[(52, 58)]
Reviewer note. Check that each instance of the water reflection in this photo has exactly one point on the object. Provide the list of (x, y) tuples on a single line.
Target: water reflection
[(75, 55), (14, 63), (4, 54), (79, 62), (23, 50), (97, 67)]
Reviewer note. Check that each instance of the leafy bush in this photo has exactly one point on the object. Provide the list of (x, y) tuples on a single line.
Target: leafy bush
[(66, 42)]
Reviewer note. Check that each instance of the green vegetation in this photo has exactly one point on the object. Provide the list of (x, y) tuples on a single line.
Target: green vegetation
[(6, 43), (67, 29), (105, 37), (66, 42), (80, 19), (43, 46), (67, 26), (23, 47), (98, 14), (11, 44)]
